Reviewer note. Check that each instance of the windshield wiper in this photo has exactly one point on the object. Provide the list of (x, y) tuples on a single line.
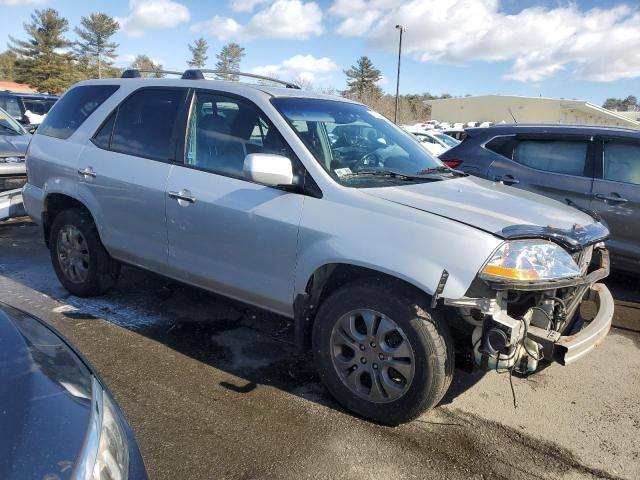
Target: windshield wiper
[(10, 129), (383, 173), (441, 169)]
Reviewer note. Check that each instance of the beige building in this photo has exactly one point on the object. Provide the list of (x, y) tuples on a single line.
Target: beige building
[(514, 109)]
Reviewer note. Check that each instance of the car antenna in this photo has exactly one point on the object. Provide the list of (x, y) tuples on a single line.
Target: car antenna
[(512, 116)]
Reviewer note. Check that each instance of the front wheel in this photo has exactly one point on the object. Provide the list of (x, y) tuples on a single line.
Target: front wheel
[(381, 351)]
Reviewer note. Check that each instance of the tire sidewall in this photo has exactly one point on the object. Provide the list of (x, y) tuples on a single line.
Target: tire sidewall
[(86, 226), (410, 315)]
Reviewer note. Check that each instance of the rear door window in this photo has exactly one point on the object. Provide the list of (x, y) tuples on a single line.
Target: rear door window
[(502, 146), (567, 157), (622, 162), (146, 121)]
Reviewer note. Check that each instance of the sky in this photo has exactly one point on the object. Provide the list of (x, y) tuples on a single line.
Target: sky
[(581, 49)]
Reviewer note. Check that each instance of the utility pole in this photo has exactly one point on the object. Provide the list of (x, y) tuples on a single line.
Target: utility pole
[(401, 28)]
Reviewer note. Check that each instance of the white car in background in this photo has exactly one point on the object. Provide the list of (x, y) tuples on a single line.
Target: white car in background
[(434, 142)]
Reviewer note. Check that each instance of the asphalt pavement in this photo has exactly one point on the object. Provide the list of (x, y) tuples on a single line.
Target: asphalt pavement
[(214, 389)]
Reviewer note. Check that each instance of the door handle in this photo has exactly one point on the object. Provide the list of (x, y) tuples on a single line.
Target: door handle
[(87, 172), (611, 198), (506, 180), (184, 195)]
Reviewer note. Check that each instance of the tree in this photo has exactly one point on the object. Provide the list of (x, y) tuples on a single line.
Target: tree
[(143, 62), (198, 53), (43, 61), (229, 60), (95, 51), (620, 104), (8, 65), (362, 79)]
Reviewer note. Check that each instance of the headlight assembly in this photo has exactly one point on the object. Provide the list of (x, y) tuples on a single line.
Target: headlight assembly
[(105, 455), (529, 260)]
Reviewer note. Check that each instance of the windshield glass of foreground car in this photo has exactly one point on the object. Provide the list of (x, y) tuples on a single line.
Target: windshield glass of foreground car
[(357, 146), (8, 126)]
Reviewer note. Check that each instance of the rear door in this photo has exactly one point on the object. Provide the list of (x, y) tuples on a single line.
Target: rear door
[(124, 174), (556, 166), (616, 197), (226, 233)]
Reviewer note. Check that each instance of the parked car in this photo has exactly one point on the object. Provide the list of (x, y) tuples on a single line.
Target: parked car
[(369, 247), (430, 142), (58, 420), (596, 168), (458, 133), (14, 140), (27, 108)]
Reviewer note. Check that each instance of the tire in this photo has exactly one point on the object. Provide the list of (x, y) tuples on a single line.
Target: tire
[(74, 235), (410, 391)]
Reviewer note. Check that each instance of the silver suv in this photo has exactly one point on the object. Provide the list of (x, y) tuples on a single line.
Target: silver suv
[(321, 210)]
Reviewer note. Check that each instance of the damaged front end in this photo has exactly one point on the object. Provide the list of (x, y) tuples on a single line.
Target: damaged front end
[(537, 300)]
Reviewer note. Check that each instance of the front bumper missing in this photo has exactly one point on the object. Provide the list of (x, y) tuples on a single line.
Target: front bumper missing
[(567, 349)]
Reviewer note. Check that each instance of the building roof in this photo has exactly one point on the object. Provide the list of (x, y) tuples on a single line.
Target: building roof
[(579, 105), (15, 87)]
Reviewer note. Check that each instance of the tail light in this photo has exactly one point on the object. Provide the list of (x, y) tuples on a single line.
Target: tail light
[(452, 163)]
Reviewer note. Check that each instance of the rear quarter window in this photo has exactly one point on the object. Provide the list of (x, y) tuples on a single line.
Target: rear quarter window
[(502, 146), (73, 109)]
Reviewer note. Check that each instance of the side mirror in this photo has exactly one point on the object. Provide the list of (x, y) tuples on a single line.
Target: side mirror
[(268, 169)]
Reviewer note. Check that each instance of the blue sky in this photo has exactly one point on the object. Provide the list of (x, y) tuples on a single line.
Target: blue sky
[(583, 49)]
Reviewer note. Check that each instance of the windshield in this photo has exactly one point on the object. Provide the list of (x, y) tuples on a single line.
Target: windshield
[(352, 143), (444, 138), (8, 126)]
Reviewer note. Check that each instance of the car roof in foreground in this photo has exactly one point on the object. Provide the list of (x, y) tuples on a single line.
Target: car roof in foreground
[(233, 87), (510, 129)]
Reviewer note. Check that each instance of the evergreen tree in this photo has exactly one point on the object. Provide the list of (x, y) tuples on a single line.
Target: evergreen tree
[(362, 79), (95, 51), (198, 53), (143, 62), (229, 60), (43, 61), (8, 66)]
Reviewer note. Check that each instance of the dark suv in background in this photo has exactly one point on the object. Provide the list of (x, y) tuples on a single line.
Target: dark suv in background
[(597, 168), (27, 108)]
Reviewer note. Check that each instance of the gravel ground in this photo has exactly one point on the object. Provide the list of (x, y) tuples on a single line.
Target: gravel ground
[(214, 389)]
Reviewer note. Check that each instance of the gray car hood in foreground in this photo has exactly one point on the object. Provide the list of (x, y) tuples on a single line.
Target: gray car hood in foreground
[(486, 205)]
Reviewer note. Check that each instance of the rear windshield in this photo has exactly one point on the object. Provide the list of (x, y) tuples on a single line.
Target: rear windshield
[(73, 109), (38, 105)]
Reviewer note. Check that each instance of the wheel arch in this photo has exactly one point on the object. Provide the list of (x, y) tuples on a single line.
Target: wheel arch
[(328, 278), (54, 203)]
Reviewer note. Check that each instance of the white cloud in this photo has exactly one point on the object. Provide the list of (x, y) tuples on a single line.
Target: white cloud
[(222, 28), (245, 5), (11, 3), (301, 67), (601, 44), (284, 19), (146, 15)]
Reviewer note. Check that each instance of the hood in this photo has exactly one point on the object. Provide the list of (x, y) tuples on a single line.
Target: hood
[(45, 400), (14, 145), (504, 211)]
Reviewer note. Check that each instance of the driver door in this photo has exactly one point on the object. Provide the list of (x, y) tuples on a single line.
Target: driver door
[(228, 234)]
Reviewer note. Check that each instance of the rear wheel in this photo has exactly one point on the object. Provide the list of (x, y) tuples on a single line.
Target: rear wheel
[(79, 259), (381, 351)]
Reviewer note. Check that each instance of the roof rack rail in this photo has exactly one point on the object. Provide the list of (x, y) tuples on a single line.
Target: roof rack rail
[(135, 73), (198, 74)]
